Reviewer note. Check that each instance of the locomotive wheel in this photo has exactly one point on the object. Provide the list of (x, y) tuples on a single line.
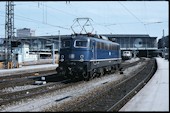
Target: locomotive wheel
[(86, 76), (117, 67), (101, 72), (113, 70), (93, 75)]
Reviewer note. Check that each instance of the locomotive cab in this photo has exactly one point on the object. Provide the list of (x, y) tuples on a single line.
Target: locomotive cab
[(74, 56), (86, 57), (75, 49)]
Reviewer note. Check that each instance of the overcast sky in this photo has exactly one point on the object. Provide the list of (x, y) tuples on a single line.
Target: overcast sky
[(116, 17)]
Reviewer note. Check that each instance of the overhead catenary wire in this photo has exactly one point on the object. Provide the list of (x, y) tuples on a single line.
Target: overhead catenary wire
[(104, 27), (37, 21), (146, 13), (44, 20), (59, 11), (133, 15)]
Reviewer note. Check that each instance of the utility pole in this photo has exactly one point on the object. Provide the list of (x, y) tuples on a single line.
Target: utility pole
[(59, 42), (53, 53), (163, 45), (163, 39), (9, 32)]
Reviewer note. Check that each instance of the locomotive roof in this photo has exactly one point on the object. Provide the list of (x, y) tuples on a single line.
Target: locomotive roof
[(95, 37)]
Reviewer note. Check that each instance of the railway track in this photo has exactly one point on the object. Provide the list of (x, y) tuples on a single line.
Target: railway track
[(16, 76), (116, 96), (9, 98), (25, 79), (126, 65), (29, 78)]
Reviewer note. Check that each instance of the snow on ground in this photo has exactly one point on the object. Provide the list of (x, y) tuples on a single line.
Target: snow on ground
[(132, 60), (19, 88), (132, 69), (49, 100), (73, 92)]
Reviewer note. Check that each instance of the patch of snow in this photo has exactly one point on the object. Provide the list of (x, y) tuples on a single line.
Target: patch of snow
[(73, 92), (19, 88), (132, 60)]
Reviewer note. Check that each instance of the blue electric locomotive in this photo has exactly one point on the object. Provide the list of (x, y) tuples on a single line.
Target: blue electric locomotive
[(87, 56)]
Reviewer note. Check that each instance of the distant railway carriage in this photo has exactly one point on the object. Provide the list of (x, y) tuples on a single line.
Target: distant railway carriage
[(126, 55), (85, 57)]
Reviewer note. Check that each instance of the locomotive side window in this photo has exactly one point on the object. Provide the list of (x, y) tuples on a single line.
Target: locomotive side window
[(110, 46), (99, 45), (80, 43), (106, 47), (66, 44), (102, 45), (114, 47)]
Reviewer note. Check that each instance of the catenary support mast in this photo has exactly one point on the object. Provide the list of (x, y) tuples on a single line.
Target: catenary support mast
[(9, 31)]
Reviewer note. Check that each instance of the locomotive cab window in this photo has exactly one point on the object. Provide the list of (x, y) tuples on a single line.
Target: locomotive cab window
[(66, 44), (80, 43)]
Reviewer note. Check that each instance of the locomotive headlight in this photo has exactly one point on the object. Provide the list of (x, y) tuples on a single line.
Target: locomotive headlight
[(82, 58), (110, 53), (62, 58), (71, 56)]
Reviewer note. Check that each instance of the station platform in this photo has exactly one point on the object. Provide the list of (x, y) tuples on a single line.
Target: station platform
[(154, 96), (28, 69)]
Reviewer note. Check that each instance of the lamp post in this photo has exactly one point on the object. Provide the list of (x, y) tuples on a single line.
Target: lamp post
[(53, 54), (59, 41)]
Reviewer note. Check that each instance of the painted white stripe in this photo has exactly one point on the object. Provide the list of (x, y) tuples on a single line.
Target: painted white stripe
[(100, 59), (106, 59)]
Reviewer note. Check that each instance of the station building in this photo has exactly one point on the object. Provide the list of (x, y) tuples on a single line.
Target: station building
[(141, 45)]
